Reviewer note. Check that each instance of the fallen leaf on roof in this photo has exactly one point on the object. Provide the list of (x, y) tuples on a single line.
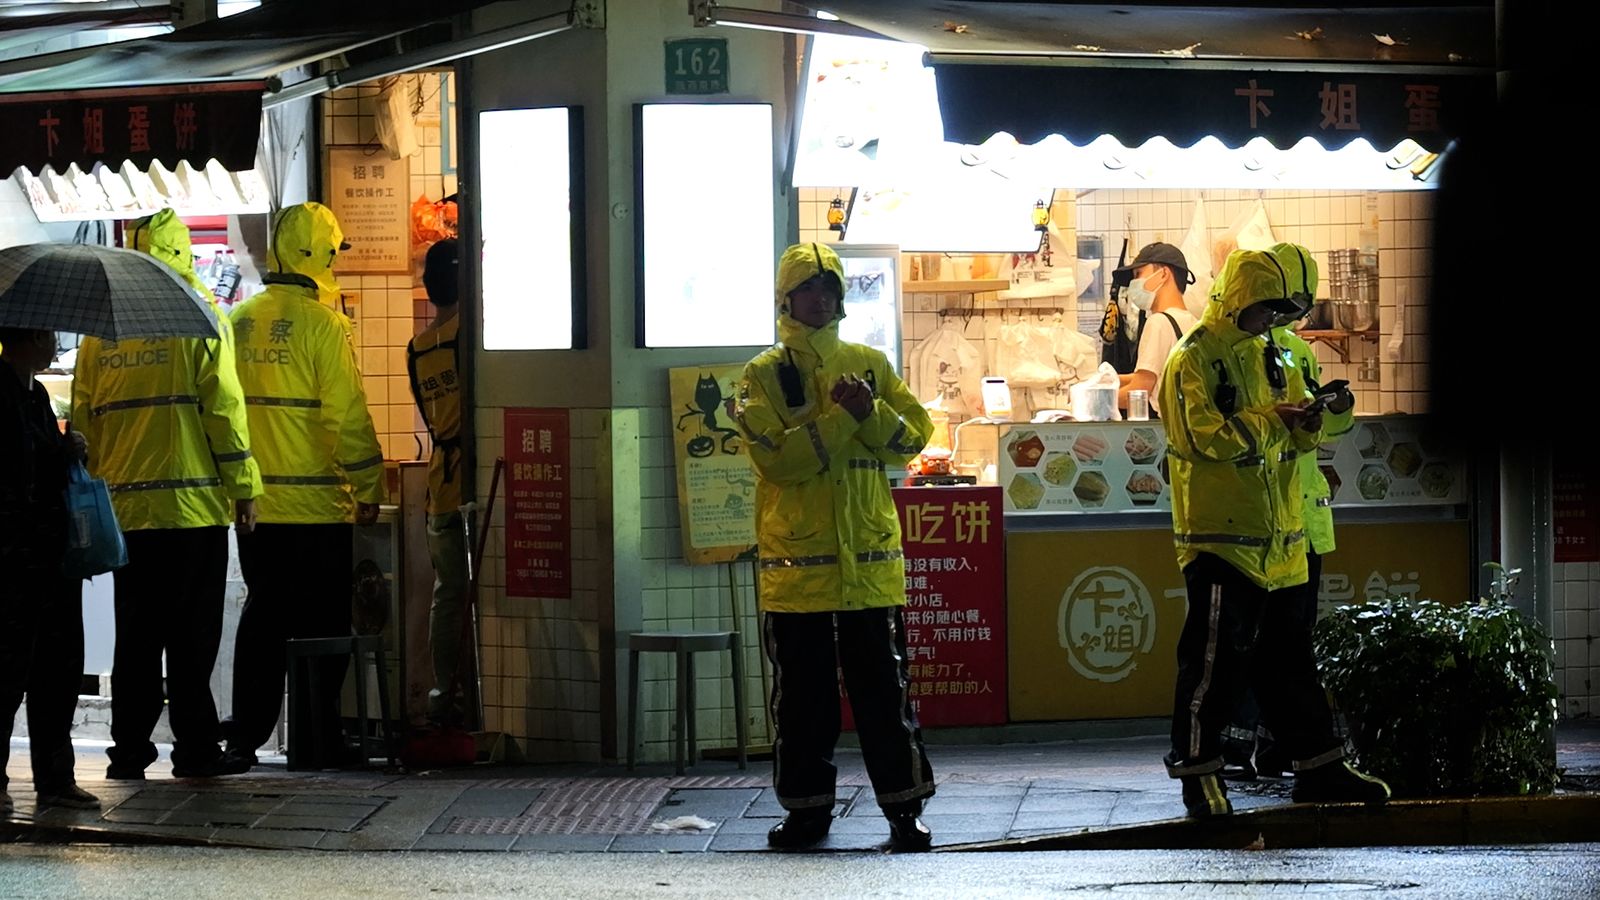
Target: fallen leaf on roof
[(1455, 57), (1185, 52), (955, 28), (1388, 41), (1314, 34), (1260, 843), (1087, 48)]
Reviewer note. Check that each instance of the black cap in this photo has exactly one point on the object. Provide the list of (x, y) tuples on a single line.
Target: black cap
[(1165, 254)]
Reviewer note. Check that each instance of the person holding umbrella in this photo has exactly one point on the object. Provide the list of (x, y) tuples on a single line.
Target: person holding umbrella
[(41, 612), (322, 467), (167, 420), (45, 288)]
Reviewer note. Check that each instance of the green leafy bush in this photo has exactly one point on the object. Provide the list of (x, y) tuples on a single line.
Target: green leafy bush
[(1444, 700)]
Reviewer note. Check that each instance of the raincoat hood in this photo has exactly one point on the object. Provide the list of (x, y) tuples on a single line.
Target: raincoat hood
[(306, 239), (165, 237), (1250, 277), (800, 263), (1301, 268)]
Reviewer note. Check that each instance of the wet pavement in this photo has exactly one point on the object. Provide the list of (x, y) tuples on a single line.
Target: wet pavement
[(985, 793)]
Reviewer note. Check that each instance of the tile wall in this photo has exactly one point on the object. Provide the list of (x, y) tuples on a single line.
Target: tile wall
[(1320, 220), (1577, 636), (393, 308)]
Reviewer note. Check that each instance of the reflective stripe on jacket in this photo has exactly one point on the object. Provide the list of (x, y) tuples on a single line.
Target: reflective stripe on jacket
[(1234, 467), (313, 436), (1314, 492), (827, 531), (164, 418)]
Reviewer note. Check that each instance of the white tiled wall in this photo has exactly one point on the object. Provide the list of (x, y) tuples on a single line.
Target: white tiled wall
[(393, 308), (1320, 220), (1577, 638), (680, 597), (543, 657)]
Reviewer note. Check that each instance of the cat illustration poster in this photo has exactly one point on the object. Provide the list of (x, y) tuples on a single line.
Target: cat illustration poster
[(716, 484)]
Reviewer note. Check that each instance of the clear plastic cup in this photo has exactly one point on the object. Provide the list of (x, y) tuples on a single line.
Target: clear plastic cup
[(1138, 406)]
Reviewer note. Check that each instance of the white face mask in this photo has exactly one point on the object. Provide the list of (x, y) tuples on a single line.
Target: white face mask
[(1140, 296)]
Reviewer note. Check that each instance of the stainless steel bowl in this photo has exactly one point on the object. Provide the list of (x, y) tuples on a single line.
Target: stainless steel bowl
[(1355, 315)]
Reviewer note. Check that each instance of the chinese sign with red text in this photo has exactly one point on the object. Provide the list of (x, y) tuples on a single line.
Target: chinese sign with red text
[(538, 503)]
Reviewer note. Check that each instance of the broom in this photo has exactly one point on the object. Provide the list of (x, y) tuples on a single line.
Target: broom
[(450, 744)]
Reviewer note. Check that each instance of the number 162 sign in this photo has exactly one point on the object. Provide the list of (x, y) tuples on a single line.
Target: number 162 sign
[(697, 66)]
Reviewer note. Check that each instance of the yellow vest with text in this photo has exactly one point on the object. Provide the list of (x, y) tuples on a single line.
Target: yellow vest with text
[(431, 363)]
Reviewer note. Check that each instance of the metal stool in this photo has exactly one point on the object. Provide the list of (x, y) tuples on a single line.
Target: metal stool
[(685, 644), (357, 647)]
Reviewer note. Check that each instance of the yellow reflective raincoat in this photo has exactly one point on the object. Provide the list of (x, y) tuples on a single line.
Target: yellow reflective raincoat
[(1314, 492), (165, 417), (313, 435), (1234, 465), (828, 533), (306, 238)]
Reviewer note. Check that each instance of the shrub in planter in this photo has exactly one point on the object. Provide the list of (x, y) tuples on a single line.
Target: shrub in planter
[(1443, 700)]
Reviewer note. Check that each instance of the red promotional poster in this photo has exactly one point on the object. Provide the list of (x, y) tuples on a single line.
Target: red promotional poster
[(538, 503), (1576, 508), (955, 604)]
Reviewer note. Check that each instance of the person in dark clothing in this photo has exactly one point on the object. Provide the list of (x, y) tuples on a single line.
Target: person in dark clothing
[(41, 612)]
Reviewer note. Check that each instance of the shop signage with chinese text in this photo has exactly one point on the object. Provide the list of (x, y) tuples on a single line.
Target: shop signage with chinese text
[(369, 193), (538, 522), (1094, 616), (955, 619)]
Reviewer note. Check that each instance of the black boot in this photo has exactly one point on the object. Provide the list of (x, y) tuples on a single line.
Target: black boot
[(1338, 782), (801, 828), (907, 834), (1205, 796)]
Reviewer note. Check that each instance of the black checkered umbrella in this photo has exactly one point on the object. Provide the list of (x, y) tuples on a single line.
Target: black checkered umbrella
[(103, 291)]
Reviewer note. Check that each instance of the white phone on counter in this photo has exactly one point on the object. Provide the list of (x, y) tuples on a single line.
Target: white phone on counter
[(996, 398)]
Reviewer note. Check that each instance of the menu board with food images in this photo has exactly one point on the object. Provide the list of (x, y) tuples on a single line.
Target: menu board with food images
[(1084, 467), (1121, 466)]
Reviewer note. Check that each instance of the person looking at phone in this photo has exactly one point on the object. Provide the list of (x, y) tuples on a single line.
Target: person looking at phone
[(1246, 735), (1238, 420), (823, 418), (1160, 274)]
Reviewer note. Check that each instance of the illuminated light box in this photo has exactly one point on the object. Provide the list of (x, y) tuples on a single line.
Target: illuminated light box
[(704, 231), (531, 209)]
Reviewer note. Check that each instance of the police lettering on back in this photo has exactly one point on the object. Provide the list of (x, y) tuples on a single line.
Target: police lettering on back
[(278, 336), (153, 352)]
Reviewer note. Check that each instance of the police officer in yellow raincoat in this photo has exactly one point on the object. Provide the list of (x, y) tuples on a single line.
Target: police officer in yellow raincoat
[(1245, 734), (823, 419), (1239, 420), (165, 421), (322, 468)]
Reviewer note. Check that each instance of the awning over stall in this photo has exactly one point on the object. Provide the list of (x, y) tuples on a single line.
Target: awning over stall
[(1134, 72), (190, 96)]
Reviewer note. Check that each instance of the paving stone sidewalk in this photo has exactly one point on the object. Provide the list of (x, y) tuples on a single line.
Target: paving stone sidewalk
[(985, 793)]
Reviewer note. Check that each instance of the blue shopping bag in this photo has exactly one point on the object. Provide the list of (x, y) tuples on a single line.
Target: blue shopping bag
[(94, 539)]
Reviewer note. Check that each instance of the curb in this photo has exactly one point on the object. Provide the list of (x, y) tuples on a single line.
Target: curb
[(19, 832), (1432, 822)]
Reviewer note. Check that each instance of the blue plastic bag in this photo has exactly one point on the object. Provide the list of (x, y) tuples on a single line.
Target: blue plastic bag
[(94, 539)]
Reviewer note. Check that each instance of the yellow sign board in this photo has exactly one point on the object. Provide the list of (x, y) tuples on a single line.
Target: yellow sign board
[(1093, 617), (716, 484)]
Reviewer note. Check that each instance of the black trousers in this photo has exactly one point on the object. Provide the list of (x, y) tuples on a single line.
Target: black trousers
[(168, 600), (808, 650), (1246, 734), (1238, 636), (41, 656), (298, 578)]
